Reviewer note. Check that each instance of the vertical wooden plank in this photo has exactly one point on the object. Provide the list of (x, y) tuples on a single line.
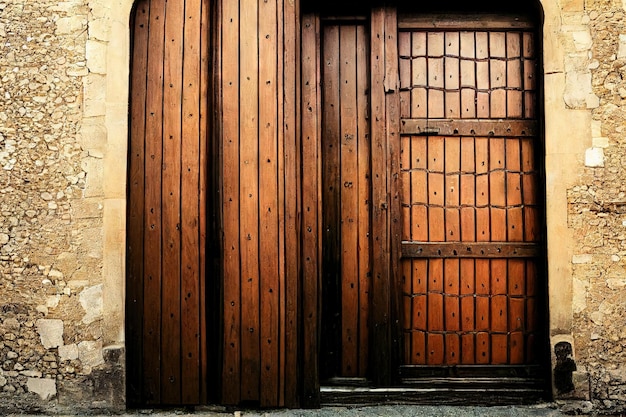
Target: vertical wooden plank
[(290, 127), (497, 73), (514, 86), (209, 209), (363, 199), (152, 236), (452, 189), (170, 206), (349, 202), (192, 160), (404, 56), (436, 76), (419, 188), (467, 190), (515, 225), (270, 271), (310, 198), (136, 185), (497, 189), (436, 189), (419, 81), (468, 75), (467, 315), (452, 309), (482, 317), (281, 212), (231, 372), (331, 203), (249, 198), (530, 64), (394, 185), (380, 242), (499, 311), (452, 73), (482, 75), (482, 190)]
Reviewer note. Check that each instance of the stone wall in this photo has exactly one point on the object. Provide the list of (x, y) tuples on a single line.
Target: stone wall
[(51, 211), (597, 209), (63, 134)]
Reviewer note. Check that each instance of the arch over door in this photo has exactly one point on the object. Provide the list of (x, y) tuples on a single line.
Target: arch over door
[(166, 328)]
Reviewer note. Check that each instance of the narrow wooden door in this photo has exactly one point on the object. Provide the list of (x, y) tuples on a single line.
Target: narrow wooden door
[(345, 200), (166, 331), (471, 202)]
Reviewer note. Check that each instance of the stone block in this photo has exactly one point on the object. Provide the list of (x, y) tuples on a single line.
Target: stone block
[(68, 352), (50, 332), (96, 53), (581, 259), (46, 388), (90, 353), (594, 157), (621, 49), (91, 301)]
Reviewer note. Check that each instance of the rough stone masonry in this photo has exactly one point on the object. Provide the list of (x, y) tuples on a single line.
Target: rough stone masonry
[(59, 219)]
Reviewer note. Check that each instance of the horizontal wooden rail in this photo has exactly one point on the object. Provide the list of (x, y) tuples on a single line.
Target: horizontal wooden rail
[(469, 127), (471, 21), (470, 249)]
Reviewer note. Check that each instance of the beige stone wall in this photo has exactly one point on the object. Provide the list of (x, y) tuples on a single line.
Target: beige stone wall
[(61, 232), (63, 143)]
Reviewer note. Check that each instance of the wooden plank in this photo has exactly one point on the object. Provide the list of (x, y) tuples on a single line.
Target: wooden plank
[(209, 213), (418, 341), (136, 195), (470, 127), (291, 125), (364, 175), (452, 75), (497, 189), (482, 75), (331, 203), (419, 82), (479, 250), (514, 101), (404, 54), (394, 186), (152, 210), (249, 199), (170, 206), (530, 68), (468, 75), (349, 202), (436, 76), (464, 22), (310, 210), (231, 370), (380, 232), (452, 278), (269, 245), (191, 204), (497, 73), (453, 348), (452, 189)]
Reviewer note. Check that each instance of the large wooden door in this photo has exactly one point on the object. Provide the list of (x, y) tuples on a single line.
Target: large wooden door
[(168, 163), (471, 201), (345, 199)]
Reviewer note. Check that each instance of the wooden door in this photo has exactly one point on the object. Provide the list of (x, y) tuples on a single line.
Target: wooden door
[(345, 199), (471, 259), (168, 161)]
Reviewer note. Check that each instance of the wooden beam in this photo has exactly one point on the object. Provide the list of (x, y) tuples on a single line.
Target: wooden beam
[(470, 250), (470, 127), (474, 21)]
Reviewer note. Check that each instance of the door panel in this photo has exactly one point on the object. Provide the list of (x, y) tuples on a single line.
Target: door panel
[(471, 212), (345, 197), (167, 205)]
